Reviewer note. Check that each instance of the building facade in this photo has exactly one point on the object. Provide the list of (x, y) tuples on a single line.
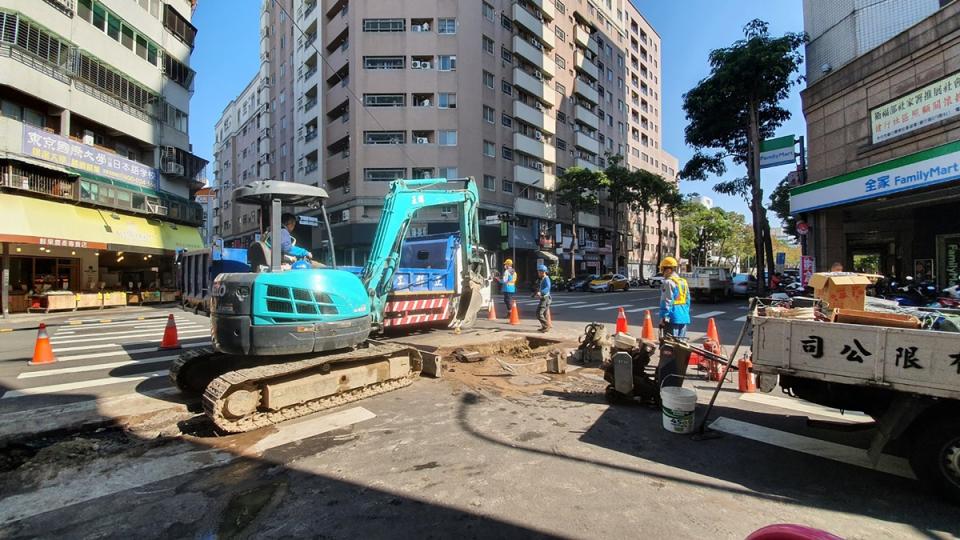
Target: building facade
[(510, 93), (207, 199), (96, 168), (883, 180)]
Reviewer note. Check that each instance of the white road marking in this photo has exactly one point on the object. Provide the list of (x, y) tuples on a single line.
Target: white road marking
[(98, 367), (613, 307), (74, 339), (566, 303), (78, 385), (109, 345), (589, 305), (101, 479), (648, 308), (126, 352), (741, 319), (799, 405), (814, 447), (72, 334), (129, 322), (708, 314)]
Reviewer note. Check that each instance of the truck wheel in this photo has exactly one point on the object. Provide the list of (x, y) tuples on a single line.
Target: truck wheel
[(936, 458)]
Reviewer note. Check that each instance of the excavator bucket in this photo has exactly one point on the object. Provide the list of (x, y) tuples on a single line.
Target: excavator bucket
[(468, 307)]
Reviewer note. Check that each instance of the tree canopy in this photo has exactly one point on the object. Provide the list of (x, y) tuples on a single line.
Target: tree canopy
[(577, 189)]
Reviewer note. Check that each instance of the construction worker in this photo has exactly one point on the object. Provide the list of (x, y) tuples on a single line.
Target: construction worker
[(543, 293), (674, 300), (508, 282)]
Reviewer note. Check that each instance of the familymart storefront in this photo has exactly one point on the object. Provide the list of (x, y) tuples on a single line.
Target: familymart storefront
[(897, 218), (60, 256)]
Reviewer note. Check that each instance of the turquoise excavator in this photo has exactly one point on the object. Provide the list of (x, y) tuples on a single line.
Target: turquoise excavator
[(292, 337)]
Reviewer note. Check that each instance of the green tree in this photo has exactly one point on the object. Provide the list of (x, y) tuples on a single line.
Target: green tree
[(780, 204), (622, 189), (647, 184), (703, 231), (666, 200), (577, 189), (735, 108)]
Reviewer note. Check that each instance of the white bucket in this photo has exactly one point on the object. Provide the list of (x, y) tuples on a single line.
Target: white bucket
[(678, 408)]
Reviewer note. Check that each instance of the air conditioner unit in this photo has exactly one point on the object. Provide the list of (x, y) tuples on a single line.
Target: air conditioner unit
[(173, 168), (426, 27), (537, 45), (541, 197), (424, 65), (422, 140), (415, 64), (345, 215), (425, 103), (88, 137), (537, 135), (538, 166), (538, 105)]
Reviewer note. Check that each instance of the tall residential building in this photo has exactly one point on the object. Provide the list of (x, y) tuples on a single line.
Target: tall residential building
[(207, 199), (96, 167), (510, 93)]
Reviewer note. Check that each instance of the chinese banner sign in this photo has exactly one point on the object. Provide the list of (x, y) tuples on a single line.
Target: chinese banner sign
[(61, 150), (807, 268), (917, 109)]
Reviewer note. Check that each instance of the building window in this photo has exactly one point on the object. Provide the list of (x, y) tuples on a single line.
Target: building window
[(507, 186), (488, 45), (446, 26), (506, 87), (488, 79), (488, 11), (561, 9), (561, 117), (506, 22), (561, 35), (506, 120), (383, 175), (447, 63), (489, 182), (384, 137), (489, 149), (447, 100), (506, 55), (384, 25), (449, 173), (384, 100), (384, 62), (561, 63), (448, 137), (561, 144), (489, 114), (507, 153)]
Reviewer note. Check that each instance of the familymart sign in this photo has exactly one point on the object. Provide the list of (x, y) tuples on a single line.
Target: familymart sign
[(927, 168)]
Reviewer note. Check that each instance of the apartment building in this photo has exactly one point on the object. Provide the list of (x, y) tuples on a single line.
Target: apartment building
[(207, 199), (510, 93), (96, 167)]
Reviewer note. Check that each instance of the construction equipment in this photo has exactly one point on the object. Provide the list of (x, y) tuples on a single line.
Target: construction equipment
[(289, 342)]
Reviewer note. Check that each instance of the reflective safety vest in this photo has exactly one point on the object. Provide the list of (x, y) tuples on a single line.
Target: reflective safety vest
[(683, 290), (675, 300)]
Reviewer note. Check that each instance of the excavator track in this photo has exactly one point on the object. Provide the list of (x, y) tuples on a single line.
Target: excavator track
[(246, 399)]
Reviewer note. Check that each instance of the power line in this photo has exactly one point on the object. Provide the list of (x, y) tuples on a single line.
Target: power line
[(360, 103)]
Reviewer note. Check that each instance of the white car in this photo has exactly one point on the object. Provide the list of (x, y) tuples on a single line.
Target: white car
[(656, 281)]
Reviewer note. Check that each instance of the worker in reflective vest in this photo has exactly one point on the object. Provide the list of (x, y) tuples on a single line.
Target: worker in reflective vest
[(674, 300)]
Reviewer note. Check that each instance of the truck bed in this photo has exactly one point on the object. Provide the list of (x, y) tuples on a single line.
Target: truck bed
[(924, 362)]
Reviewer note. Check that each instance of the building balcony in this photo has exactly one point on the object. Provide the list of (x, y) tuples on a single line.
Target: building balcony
[(534, 208), (308, 8), (309, 104), (584, 65), (535, 56), (534, 177), (311, 135), (547, 7), (584, 116), (588, 220), (587, 92), (310, 167), (582, 37), (534, 25), (309, 72), (584, 164), (538, 149), (536, 117), (586, 142), (535, 87)]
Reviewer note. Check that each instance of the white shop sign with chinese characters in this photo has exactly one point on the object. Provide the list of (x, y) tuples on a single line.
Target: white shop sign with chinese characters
[(922, 107), (923, 169)]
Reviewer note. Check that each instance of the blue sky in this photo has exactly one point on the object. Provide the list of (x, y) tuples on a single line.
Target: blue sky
[(227, 55)]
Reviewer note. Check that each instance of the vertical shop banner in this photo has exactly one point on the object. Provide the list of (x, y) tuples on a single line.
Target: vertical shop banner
[(82, 157), (779, 151), (807, 268), (922, 107)]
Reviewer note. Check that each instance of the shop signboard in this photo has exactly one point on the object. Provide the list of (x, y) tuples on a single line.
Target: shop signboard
[(924, 169), (807, 268), (82, 157), (919, 108), (779, 151)]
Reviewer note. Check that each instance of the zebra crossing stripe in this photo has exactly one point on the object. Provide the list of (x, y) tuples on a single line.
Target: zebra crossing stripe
[(613, 307), (741, 319), (635, 310), (49, 389), (98, 367), (708, 314), (589, 305)]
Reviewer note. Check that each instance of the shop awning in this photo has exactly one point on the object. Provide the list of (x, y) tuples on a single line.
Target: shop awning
[(28, 220)]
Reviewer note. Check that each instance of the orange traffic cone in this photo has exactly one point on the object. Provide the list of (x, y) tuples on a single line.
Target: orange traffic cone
[(514, 314), (712, 331), (492, 311), (648, 327), (621, 322), (747, 382), (42, 350), (170, 339)]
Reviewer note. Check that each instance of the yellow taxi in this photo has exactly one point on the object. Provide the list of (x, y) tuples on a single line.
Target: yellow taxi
[(610, 283)]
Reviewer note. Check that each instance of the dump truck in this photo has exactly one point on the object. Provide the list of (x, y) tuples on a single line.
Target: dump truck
[(907, 379)]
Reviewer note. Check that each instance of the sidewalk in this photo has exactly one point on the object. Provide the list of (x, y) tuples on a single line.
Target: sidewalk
[(30, 321)]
